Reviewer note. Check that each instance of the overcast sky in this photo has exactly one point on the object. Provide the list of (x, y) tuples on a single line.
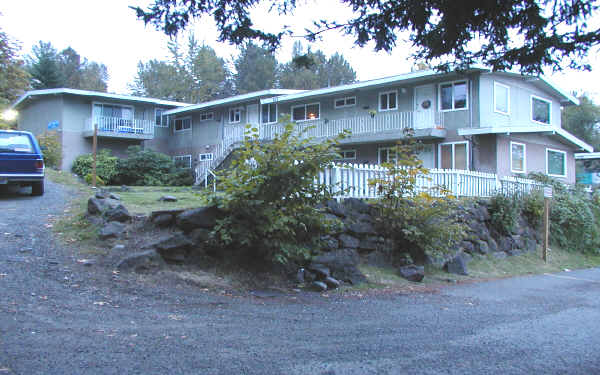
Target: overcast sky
[(108, 32)]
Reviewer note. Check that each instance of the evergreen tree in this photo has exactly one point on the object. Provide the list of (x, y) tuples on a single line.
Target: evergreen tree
[(583, 120), (14, 80), (43, 67), (256, 69)]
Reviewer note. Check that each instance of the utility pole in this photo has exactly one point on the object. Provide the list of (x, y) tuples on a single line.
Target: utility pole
[(547, 197), (94, 149)]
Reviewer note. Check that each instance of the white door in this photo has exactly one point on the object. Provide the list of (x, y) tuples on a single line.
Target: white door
[(252, 114), (424, 107)]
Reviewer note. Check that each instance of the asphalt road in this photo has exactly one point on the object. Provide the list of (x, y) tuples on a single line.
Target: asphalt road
[(60, 317)]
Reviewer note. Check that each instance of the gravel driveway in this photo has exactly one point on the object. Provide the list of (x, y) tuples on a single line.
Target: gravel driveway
[(60, 317)]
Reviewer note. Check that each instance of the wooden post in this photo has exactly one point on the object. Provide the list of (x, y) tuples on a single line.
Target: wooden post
[(94, 149), (547, 197)]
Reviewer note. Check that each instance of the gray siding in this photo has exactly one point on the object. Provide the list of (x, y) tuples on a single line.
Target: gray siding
[(520, 102)]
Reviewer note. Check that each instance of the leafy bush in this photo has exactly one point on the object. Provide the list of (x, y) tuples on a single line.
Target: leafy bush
[(417, 221), (106, 166), (504, 212), (182, 177), (145, 168), (51, 149), (575, 222), (533, 208), (270, 198), (88, 179)]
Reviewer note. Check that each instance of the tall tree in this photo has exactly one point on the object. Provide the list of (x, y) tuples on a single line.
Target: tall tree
[(160, 79), (44, 68), (583, 121), (207, 71), (336, 71), (529, 34), (256, 69), (14, 80)]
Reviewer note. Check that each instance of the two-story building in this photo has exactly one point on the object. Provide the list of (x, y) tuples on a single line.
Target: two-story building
[(496, 122)]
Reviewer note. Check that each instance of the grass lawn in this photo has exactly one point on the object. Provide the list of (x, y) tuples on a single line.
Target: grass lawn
[(487, 267), (143, 200)]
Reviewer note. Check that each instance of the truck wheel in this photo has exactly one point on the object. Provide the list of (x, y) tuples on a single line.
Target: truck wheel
[(37, 188)]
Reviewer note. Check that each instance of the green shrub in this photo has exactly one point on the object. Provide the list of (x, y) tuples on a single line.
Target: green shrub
[(416, 220), (106, 166), (270, 198), (574, 222), (533, 208), (99, 181), (182, 177), (51, 149), (504, 212), (145, 168)]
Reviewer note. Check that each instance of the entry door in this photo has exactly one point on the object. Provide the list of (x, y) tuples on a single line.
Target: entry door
[(252, 113), (424, 111)]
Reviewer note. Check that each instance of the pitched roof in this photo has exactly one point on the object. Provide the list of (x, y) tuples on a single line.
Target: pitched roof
[(98, 94)]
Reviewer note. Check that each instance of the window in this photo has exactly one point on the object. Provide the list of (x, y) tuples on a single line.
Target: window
[(556, 163), (517, 157), (540, 110), (454, 155), (387, 155), (182, 124), (112, 110), (205, 157), (207, 116), (159, 120), (306, 112), (453, 96), (349, 101), (388, 101), (235, 115), (268, 113), (183, 161), (501, 98), (347, 155)]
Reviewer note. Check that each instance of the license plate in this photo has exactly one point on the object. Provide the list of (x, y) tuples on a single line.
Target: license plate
[(3, 181)]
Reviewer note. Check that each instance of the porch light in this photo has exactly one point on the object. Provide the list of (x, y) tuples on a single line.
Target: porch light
[(9, 115)]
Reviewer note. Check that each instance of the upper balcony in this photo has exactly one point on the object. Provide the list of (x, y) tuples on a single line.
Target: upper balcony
[(117, 127), (379, 127)]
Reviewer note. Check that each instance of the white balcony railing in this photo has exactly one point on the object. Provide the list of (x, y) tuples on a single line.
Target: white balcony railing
[(119, 125)]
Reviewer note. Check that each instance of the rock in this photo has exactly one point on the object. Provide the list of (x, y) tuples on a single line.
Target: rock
[(309, 276), (499, 254), (342, 265), (329, 243), (97, 206), (203, 217), (466, 257), (335, 208), (167, 198), (435, 261), (517, 241), (331, 282), (356, 206), (467, 247), (505, 244), (485, 213), (412, 272), (492, 245), (482, 247), (347, 241), (378, 258), (457, 266), (101, 194), (111, 230), (118, 247), (369, 243), (163, 220), (143, 261), (114, 196), (361, 228), (118, 213), (319, 286), (321, 271), (199, 236), (515, 252), (173, 247), (530, 245)]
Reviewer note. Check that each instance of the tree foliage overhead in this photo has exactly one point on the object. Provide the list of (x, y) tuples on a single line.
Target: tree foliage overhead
[(50, 69), (528, 34), (14, 80), (583, 120), (256, 69)]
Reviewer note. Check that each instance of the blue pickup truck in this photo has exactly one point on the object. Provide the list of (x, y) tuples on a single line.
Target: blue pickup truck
[(21, 161)]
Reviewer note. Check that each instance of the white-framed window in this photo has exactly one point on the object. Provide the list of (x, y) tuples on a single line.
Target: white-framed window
[(556, 163), (123, 112), (183, 161), (183, 124), (207, 116), (388, 101), (501, 98), (205, 156), (453, 155), (235, 115), (349, 101), (541, 110), (347, 155), (160, 121), (518, 158), (454, 96), (268, 113), (386, 155), (305, 112)]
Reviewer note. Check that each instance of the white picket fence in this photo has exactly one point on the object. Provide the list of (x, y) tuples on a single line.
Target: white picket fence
[(353, 181)]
